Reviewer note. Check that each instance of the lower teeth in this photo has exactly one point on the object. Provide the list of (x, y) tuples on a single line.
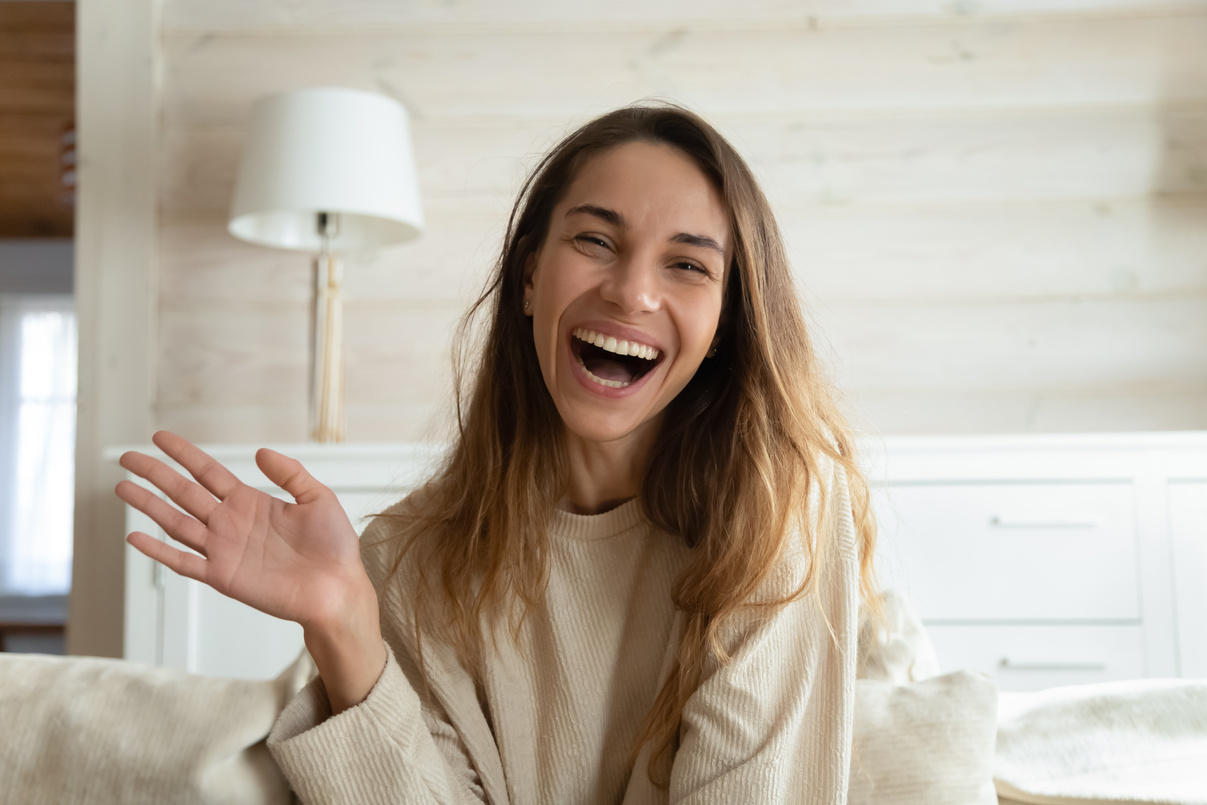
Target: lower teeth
[(612, 384)]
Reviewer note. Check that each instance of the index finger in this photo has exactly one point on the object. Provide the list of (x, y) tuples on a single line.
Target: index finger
[(209, 473)]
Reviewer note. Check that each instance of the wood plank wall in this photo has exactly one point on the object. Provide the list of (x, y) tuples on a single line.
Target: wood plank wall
[(997, 208)]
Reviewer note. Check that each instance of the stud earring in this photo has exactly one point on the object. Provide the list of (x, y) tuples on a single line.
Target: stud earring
[(712, 353), (527, 305)]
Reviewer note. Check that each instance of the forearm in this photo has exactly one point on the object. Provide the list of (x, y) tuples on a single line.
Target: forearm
[(347, 649)]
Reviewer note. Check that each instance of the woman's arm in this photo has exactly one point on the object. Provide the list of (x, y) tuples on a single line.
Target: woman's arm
[(301, 561), (395, 746), (774, 724)]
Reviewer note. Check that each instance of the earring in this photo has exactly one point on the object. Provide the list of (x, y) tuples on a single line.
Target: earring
[(712, 353), (527, 305)]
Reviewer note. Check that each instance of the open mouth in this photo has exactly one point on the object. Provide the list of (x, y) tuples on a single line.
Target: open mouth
[(612, 362)]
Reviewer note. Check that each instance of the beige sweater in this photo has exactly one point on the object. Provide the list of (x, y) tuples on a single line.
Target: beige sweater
[(556, 715)]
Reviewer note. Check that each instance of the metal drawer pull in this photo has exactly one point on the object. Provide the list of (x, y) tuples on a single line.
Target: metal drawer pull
[(1006, 665), (998, 521)]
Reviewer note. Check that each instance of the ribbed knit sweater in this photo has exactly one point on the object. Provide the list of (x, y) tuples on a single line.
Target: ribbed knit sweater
[(555, 717)]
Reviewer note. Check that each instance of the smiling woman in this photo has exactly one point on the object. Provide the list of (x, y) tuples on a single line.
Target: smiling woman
[(634, 261), (637, 574)]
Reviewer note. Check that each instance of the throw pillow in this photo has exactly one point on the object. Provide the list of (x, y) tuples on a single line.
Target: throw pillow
[(925, 743)]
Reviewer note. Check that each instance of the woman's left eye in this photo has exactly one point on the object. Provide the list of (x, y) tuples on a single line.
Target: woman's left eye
[(690, 266)]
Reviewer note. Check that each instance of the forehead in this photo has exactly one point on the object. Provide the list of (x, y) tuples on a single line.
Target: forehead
[(651, 184)]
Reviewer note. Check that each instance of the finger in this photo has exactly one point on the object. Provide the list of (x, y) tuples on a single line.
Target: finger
[(188, 495), (289, 474), (175, 523), (208, 472), (189, 565)]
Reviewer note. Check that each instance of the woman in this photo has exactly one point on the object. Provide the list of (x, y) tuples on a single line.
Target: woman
[(636, 576)]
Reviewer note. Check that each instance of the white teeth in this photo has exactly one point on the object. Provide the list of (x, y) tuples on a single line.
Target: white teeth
[(612, 384), (615, 345)]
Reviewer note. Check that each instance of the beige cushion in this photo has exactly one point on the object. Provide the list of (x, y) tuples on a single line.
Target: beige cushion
[(83, 729), (894, 647), (920, 738), (925, 743)]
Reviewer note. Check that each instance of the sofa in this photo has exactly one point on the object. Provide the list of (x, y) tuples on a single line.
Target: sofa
[(89, 730)]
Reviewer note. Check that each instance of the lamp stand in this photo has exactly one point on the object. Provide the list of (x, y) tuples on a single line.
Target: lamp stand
[(326, 366)]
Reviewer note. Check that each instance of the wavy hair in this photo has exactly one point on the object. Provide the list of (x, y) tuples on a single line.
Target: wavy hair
[(734, 469)]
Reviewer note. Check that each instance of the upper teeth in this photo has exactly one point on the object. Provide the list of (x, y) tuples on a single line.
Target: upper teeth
[(607, 342)]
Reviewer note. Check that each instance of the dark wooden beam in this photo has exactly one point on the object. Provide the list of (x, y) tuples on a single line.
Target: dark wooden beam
[(37, 108)]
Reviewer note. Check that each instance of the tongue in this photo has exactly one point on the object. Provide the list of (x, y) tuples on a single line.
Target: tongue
[(607, 368)]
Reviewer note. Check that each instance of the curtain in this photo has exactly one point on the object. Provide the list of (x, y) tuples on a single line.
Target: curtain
[(37, 443)]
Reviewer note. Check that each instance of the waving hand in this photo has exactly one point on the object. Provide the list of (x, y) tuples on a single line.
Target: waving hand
[(297, 561)]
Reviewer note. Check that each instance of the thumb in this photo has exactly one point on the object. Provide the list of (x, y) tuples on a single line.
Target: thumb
[(289, 474)]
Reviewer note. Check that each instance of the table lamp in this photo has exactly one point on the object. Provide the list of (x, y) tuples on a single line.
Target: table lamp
[(327, 171)]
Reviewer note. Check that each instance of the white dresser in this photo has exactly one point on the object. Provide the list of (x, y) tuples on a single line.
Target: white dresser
[(1050, 560), (1042, 560)]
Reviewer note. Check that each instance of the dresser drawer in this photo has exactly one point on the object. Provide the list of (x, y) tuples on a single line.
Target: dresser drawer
[(1011, 551), (1035, 657)]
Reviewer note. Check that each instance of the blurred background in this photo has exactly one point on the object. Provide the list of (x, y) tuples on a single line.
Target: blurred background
[(996, 209)]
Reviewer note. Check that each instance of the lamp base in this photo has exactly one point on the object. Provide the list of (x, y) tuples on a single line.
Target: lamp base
[(326, 368)]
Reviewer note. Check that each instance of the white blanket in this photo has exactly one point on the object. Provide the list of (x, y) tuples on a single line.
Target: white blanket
[(1139, 741)]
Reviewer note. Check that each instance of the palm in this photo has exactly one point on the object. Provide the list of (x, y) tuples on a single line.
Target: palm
[(291, 560)]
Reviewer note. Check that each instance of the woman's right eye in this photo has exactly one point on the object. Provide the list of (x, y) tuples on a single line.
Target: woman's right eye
[(592, 242)]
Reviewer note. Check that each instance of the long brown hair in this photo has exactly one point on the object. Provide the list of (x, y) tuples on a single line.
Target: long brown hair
[(736, 465)]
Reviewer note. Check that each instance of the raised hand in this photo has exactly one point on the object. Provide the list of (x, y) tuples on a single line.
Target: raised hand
[(297, 561)]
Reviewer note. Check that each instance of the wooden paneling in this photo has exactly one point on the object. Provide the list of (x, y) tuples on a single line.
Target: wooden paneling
[(202, 264), (997, 211), (212, 79), (1033, 411), (1005, 251), (808, 160), (37, 106), (1159, 343), (263, 423), (373, 15), (847, 253), (246, 355), (37, 17), (37, 86)]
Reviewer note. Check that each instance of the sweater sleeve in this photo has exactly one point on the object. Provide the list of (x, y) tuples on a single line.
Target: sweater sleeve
[(392, 747), (774, 724)]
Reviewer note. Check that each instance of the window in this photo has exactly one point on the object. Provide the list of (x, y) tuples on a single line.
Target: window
[(37, 442)]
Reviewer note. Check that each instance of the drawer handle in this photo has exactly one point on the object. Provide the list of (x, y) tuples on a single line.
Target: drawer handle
[(997, 521), (1006, 665)]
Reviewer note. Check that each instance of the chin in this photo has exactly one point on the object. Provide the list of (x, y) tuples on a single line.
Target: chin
[(602, 429)]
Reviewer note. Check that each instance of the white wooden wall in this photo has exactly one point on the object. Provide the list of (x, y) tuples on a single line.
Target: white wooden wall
[(997, 208)]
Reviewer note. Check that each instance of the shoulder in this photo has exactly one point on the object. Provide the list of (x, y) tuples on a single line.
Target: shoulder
[(821, 543)]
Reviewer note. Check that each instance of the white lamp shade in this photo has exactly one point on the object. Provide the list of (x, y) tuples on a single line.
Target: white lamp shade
[(327, 150)]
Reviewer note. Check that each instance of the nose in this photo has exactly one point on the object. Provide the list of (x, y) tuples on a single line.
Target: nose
[(632, 285)]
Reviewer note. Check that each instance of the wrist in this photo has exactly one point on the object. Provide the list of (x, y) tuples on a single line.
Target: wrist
[(346, 609), (347, 648)]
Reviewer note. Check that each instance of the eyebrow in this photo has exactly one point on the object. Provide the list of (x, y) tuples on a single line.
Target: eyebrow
[(616, 219)]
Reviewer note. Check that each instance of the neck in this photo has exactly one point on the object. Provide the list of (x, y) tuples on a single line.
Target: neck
[(604, 475)]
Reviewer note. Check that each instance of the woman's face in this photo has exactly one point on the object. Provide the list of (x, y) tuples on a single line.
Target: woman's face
[(625, 293)]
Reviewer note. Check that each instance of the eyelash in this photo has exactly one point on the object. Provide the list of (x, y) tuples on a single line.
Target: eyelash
[(599, 243), (592, 240)]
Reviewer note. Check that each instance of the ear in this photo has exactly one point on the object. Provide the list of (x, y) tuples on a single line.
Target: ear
[(529, 282)]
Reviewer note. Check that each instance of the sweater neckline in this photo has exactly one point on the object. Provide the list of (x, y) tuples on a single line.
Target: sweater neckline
[(584, 527)]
